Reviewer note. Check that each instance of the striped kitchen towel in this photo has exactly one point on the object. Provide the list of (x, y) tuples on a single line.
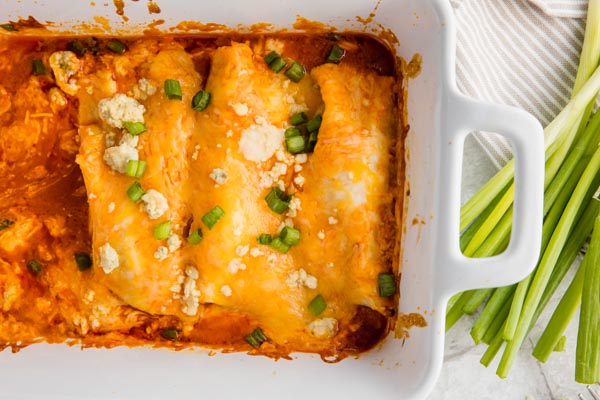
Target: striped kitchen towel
[(518, 52)]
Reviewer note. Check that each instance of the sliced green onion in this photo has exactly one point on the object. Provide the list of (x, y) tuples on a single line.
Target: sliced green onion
[(34, 266), (296, 72), (272, 56), (295, 144), (170, 334), (275, 62), (314, 124), (213, 216), (83, 261), (5, 223), (9, 27), (116, 46), (386, 284), (289, 132), (135, 168), (196, 236), (135, 192), (256, 338), (336, 54), (173, 89), (162, 230), (77, 47), (290, 236), (264, 238), (135, 128), (37, 67), (313, 137), (201, 100), (298, 118), (278, 245), (278, 200), (278, 65), (317, 305)]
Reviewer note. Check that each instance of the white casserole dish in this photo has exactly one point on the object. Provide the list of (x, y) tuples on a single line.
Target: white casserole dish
[(432, 266)]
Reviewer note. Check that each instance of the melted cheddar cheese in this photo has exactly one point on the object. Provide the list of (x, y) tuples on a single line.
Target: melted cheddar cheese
[(65, 150)]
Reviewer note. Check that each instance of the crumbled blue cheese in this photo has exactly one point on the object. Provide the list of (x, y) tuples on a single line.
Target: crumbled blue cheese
[(332, 220), (155, 203), (190, 293), (226, 291), (294, 207), (301, 278), (143, 89), (218, 175), (161, 253), (65, 65), (109, 259), (323, 328), (117, 157), (260, 141), (235, 265), (321, 234), (242, 250), (111, 207), (129, 140), (119, 109), (256, 252), (174, 242), (299, 180), (240, 109)]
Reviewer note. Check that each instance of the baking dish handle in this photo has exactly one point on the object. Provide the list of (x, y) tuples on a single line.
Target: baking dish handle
[(456, 272)]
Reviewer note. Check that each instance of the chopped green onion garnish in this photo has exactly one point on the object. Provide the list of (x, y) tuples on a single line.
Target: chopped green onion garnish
[(312, 142), (314, 124), (135, 128), (386, 284), (289, 132), (201, 100), (195, 236), (116, 46), (290, 236), (213, 216), (173, 89), (298, 118), (275, 62), (170, 334), (278, 245), (334, 36), (9, 27), (34, 266), (135, 168), (135, 192), (336, 54), (278, 64), (83, 261), (295, 144), (278, 200), (264, 238), (162, 230), (317, 305), (272, 56), (37, 67), (296, 72), (5, 223), (77, 47), (256, 338)]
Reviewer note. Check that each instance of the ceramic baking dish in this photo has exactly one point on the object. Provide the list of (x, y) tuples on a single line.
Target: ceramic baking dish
[(433, 268)]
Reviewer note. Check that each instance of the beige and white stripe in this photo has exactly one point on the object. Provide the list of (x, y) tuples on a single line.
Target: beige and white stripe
[(518, 52)]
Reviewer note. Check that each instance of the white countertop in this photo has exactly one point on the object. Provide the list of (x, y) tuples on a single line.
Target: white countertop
[(463, 377)]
